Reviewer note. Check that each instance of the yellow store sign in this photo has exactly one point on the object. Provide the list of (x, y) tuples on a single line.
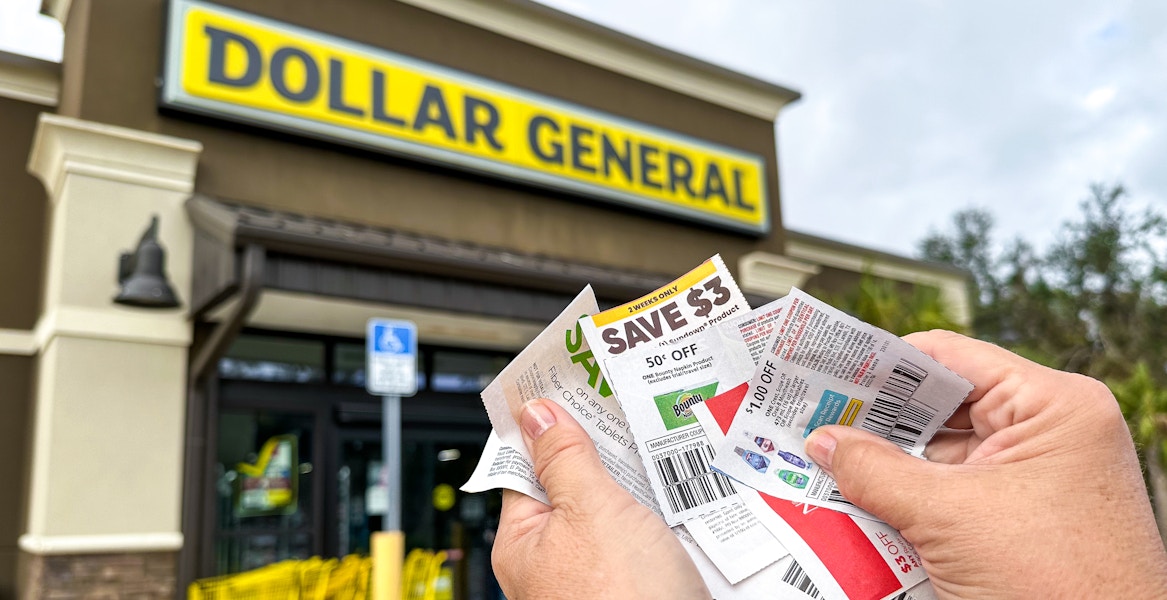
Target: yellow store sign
[(231, 64)]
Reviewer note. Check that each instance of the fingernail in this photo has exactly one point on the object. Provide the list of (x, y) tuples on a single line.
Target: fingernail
[(536, 419), (821, 448)]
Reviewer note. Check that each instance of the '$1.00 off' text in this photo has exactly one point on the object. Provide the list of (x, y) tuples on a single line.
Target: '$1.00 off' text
[(601, 418)]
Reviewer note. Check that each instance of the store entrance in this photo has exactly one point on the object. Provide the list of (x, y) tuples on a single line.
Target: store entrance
[(435, 515), (298, 469)]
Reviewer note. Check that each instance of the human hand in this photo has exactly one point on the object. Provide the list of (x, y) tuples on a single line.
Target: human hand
[(595, 540), (1036, 491)]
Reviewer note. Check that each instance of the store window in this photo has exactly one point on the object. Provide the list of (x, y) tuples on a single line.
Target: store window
[(277, 359), (348, 364), (299, 448), (264, 489), (257, 357), (465, 372)]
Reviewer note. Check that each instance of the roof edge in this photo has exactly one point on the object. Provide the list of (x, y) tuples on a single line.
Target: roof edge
[(545, 27), (871, 254), (29, 79)]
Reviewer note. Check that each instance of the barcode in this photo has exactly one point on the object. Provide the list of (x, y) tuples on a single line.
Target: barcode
[(892, 397), (688, 481), (906, 376), (911, 424), (798, 578), (835, 496)]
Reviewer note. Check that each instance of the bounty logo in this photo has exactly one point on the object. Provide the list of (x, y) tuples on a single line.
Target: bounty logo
[(676, 408)]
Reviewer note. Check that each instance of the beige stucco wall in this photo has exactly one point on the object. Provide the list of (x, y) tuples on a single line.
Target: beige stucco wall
[(110, 395), (108, 440)]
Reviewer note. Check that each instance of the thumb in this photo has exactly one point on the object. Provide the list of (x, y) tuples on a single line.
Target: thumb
[(565, 458), (873, 473)]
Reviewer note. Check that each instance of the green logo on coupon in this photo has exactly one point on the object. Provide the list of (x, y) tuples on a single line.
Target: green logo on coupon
[(676, 408)]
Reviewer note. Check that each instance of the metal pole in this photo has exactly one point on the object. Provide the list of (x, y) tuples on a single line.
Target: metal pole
[(391, 459)]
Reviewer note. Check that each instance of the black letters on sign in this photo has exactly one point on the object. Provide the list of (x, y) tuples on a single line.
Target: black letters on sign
[(279, 74), (336, 89), (474, 125), (433, 111), (380, 101), (555, 156), (218, 59)]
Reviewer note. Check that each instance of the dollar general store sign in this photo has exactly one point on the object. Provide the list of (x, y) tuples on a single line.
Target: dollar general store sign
[(242, 67)]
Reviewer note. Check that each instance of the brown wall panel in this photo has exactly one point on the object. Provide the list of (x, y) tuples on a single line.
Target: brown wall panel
[(22, 218), (16, 373), (122, 53), (831, 280)]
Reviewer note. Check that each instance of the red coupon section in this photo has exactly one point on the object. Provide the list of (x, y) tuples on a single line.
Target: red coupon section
[(845, 550)]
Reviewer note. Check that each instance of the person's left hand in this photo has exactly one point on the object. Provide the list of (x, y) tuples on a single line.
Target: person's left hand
[(595, 540)]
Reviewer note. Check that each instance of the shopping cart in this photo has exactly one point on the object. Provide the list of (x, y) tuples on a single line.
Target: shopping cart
[(311, 579), (425, 576)]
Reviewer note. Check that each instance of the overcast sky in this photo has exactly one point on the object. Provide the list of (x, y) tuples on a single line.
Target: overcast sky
[(913, 109)]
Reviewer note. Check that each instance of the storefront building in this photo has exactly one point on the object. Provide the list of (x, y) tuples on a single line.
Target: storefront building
[(467, 165)]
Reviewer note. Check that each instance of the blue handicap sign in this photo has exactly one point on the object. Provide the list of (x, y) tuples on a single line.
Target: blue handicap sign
[(392, 340), (391, 358)]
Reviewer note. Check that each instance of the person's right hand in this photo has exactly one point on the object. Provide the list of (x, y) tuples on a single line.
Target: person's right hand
[(1036, 492)]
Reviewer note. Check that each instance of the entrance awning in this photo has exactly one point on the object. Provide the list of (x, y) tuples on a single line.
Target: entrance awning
[(330, 258)]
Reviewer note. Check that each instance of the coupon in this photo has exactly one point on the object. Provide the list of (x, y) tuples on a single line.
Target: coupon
[(558, 365), (844, 556), (825, 367), (662, 385), (658, 386), (506, 467)]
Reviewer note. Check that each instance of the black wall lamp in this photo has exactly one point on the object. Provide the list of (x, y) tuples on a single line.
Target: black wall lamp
[(142, 274)]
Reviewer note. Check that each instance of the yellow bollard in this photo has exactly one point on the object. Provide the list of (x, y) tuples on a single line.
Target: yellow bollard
[(388, 549)]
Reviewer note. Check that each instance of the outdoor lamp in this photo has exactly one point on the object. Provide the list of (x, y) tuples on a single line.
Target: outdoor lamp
[(142, 274)]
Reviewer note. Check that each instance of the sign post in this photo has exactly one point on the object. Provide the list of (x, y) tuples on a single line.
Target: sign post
[(390, 372)]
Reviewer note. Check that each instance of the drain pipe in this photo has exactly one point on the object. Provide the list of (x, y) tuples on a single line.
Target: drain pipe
[(220, 340), (197, 444)]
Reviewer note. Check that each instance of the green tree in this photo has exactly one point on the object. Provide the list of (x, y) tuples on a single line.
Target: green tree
[(1144, 403), (898, 308), (1094, 302), (1108, 266)]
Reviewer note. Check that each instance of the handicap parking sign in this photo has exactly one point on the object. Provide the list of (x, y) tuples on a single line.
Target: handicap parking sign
[(391, 358)]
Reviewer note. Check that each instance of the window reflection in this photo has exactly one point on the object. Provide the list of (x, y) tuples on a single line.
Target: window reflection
[(464, 372), (259, 357), (246, 538), (270, 358)]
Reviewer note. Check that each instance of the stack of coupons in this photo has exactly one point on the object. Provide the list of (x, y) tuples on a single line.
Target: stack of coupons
[(699, 407)]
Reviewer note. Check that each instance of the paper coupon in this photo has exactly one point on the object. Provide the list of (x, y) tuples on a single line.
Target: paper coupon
[(697, 300), (662, 394), (559, 366), (690, 316), (658, 387), (824, 367), (503, 466), (844, 556), (782, 579)]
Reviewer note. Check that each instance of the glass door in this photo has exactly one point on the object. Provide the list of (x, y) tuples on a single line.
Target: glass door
[(436, 516), (360, 493), (265, 489), (439, 516)]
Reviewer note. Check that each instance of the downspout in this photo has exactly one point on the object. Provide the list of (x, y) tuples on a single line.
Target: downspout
[(249, 288), (201, 367)]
